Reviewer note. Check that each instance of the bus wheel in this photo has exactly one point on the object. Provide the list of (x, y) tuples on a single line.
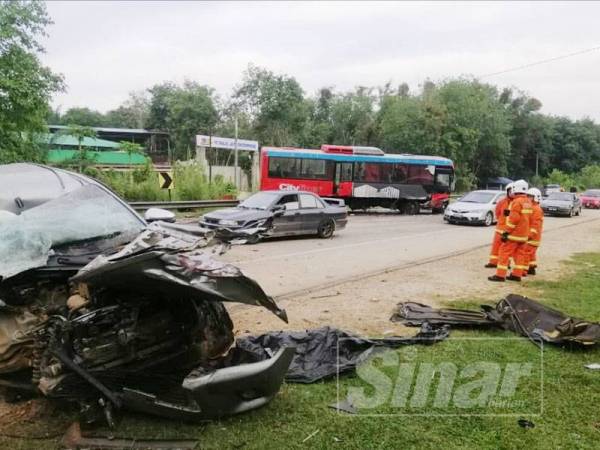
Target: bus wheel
[(326, 229)]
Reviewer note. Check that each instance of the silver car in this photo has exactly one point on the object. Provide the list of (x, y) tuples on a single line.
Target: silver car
[(562, 204), (476, 207)]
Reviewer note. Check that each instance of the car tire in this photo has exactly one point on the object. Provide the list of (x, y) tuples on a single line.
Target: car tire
[(489, 219), (412, 208), (326, 229)]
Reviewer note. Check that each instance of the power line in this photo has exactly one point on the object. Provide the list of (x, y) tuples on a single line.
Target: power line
[(537, 63)]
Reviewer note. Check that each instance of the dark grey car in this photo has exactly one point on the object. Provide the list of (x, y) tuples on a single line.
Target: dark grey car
[(562, 204), (279, 213)]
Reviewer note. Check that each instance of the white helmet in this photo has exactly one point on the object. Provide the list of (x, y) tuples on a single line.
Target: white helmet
[(536, 194), (520, 187), (509, 187)]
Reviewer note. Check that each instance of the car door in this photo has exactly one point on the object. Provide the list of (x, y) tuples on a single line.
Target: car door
[(312, 212), (289, 222)]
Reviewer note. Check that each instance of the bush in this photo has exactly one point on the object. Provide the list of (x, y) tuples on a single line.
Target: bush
[(141, 184)]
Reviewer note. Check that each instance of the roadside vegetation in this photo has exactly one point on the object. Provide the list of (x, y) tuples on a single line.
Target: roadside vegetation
[(569, 418), (142, 184)]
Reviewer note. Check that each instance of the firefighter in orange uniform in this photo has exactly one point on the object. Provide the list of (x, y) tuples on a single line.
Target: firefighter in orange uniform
[(535, 230), (502, 212), (514, 235)]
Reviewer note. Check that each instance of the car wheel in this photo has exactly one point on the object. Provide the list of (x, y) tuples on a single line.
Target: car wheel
[(413, 208), (489, 219), (326, 229)]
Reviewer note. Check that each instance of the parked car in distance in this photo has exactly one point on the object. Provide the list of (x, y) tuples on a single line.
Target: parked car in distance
[(279, 213), (476, 207), (550, 188), (562, 204), (591, 198)]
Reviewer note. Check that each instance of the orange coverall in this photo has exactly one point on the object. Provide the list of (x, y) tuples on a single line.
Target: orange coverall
[(503, 203), (517, 227), (535, 235)]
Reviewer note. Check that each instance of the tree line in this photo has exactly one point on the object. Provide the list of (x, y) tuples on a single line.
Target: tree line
[(487, 131)]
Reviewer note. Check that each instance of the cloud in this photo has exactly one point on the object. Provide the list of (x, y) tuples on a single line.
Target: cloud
[(107, 49)]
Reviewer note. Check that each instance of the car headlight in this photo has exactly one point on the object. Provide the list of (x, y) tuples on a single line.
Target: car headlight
[(227, 222)]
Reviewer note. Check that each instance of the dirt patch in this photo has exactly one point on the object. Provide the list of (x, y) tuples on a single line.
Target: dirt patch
[(365, 305)]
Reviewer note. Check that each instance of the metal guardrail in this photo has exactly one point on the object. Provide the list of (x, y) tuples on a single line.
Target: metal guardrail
[(194, 204)]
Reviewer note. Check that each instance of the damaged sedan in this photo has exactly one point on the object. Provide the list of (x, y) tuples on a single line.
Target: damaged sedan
[(99, 307), (277, 214)]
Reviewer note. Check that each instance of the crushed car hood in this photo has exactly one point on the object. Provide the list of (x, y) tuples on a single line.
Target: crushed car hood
[(241, 214), (173, 259)]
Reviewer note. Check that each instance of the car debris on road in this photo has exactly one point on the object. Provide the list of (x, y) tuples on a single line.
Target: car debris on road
[(522, 315)]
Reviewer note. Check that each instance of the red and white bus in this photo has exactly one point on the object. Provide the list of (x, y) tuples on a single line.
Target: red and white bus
[(362, 176)]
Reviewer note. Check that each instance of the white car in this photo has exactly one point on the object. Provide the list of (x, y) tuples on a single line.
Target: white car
[(476, 207)]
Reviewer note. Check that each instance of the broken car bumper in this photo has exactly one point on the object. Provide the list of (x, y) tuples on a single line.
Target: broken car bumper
[(219, 393)]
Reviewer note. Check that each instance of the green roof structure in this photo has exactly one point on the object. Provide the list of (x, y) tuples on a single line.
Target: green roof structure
[(65, 140), (106, 157)]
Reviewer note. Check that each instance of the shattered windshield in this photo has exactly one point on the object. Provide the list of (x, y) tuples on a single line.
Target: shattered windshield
[(260, 200), (478, 197), (87, 213)]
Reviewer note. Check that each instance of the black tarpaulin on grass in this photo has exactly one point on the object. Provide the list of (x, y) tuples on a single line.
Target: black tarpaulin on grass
[(324, 352)]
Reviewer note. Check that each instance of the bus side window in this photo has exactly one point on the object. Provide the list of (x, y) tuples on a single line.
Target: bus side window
[(346, 172)]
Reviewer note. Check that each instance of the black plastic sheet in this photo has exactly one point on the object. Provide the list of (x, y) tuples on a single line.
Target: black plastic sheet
[(324, 352)]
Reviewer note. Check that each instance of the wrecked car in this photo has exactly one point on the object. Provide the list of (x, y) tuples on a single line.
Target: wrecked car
[(279, 213), (100, 307)]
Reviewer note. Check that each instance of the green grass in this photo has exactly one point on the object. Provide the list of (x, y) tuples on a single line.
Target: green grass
[(571, 405)]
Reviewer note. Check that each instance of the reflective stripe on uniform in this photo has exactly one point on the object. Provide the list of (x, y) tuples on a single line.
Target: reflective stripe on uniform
[(493, 257), (526, 211), (534, 243), (533, 230), (521, 267), (517, 238), (510, 224), (502, 267), (499, 231)]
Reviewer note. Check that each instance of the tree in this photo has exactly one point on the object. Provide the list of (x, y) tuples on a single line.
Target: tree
[(25, 84), (183, 111), (352, 117), (85, 117), (80, 132), (275, 105), (133, 113), (131, 148)]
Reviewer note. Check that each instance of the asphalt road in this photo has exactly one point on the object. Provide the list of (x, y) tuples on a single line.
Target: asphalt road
[(369, 244)]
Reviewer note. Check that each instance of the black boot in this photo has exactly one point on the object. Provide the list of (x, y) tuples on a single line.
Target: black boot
[(490, 266), (496, 278), (511, 277), (531, 271)]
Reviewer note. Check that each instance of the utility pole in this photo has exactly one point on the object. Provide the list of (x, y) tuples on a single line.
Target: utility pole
[(235, 150)]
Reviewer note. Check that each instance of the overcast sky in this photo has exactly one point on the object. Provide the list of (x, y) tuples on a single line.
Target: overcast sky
[(107, 49)]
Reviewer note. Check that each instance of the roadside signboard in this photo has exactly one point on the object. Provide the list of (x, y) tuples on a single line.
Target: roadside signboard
[(227, 143)]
